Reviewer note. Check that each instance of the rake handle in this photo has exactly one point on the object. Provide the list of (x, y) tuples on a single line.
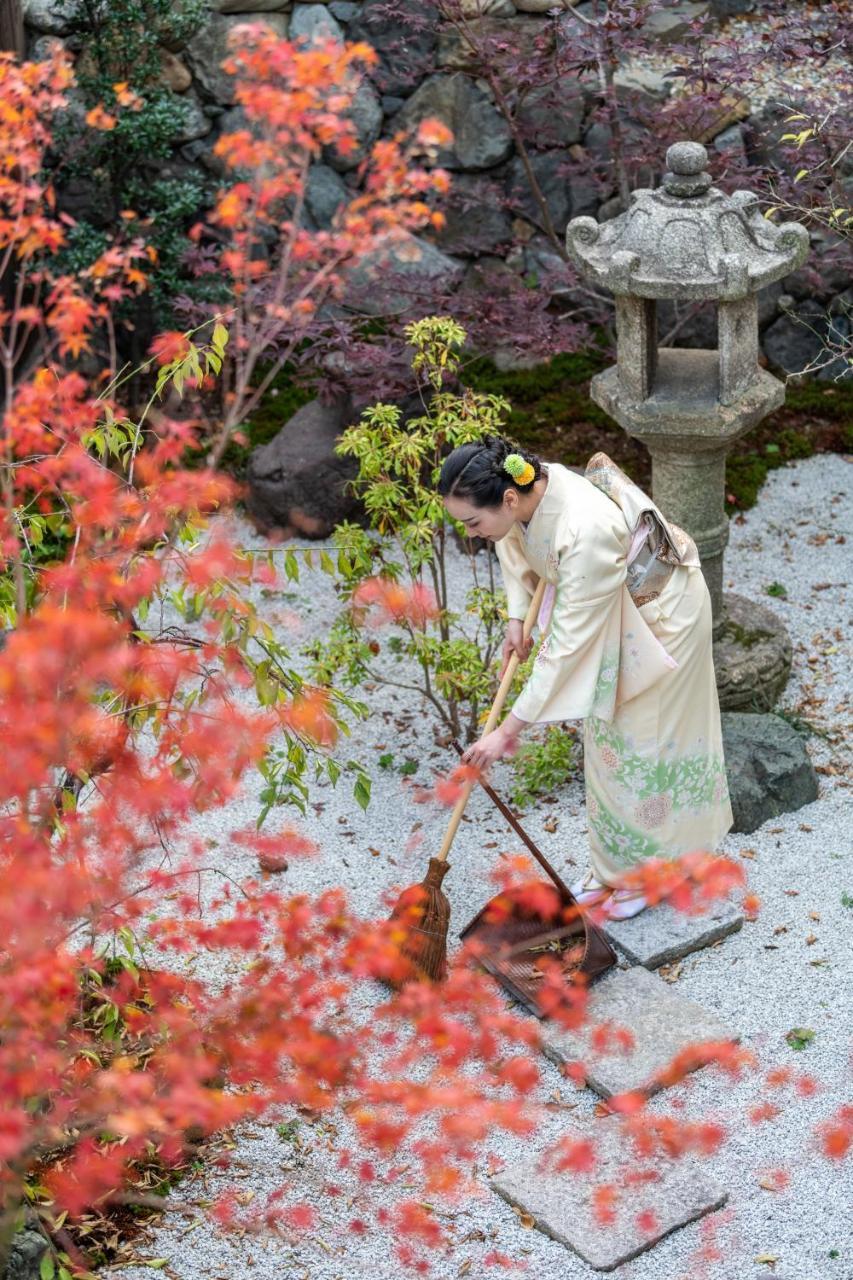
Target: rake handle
[(497, 708), (519, 831)]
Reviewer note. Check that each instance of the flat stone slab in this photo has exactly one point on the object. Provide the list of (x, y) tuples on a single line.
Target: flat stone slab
[(562, 1205), (661, 934), (661, 1022)]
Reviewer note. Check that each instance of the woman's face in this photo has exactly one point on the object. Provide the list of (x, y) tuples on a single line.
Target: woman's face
[(484, 522)]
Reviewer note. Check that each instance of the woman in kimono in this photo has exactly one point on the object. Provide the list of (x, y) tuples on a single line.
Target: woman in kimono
[(627, 648)]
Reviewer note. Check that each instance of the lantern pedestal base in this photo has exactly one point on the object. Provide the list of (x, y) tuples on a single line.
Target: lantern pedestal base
[(752, 656)]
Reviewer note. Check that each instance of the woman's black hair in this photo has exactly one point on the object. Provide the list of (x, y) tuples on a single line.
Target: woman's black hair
[(476, 471)]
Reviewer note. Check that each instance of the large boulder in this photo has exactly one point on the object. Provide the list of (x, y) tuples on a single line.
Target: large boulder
[(494, 8), (249, 6), (670, 24), (25, 1254), (804, 336), (552, 115), (365, 112), (345, 10), (768, 768), (526, 36), (476, 217), (547, 268), (195, 123), (314, 23), (731, 146), (325, 192), (174, 72), (297, 482), (405, 43), (731, 8), (393, 276), (481, 136), (633, 82), (41, 15), (826, 271), (549, 168), (209, 46)]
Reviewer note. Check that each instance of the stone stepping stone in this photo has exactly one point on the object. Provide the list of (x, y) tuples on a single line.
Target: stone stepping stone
[(661, 1022), (661, 934), (561, 1204)]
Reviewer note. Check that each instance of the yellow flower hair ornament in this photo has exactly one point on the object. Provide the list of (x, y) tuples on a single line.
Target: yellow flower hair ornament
[(521, 471)]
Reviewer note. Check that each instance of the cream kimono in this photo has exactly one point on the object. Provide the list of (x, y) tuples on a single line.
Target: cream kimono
[(627, 647)]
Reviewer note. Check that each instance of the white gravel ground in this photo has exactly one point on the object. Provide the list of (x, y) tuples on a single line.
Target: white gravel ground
[(791, 967), (811, 83)]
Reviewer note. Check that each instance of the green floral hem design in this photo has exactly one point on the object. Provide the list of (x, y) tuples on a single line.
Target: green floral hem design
[(695, 781), (604, 697), (618, 839)]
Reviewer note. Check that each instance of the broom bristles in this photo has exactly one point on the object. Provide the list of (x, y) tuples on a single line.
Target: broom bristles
[(424, 913)]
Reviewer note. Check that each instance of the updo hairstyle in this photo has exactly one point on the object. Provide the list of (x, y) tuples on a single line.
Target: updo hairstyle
[(476, 471)]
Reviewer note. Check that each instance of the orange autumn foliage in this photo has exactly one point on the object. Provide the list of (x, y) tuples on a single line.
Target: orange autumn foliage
[(298, 102), (118, 735)]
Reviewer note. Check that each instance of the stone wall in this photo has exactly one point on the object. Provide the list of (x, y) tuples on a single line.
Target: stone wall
[(490, 217)]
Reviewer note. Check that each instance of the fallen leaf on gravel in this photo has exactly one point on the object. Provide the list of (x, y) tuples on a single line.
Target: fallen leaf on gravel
[(799, 1037), (814, 915), (780, 928), (747, 853), (811, 940), (550, 824), (792, 893), (527, 1220), (769, 1258), (769, 1184), (466, 1267), (804, 826)]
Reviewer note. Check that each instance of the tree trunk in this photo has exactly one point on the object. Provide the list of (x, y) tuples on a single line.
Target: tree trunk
[(11, 27)]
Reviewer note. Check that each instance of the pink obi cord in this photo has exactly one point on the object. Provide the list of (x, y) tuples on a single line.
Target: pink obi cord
[(547, 606)]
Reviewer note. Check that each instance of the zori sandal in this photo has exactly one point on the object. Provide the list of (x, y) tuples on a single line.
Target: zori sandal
[(624, 904), (588, 889)]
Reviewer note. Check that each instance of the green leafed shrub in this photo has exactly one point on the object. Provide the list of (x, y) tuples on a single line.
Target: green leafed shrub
[(410, 541)]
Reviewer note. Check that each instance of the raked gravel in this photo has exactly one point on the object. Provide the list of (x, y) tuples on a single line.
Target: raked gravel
[(790, 967), (810, 83)]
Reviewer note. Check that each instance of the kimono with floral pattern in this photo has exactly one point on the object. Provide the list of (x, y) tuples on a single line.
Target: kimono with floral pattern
[(640, 675)]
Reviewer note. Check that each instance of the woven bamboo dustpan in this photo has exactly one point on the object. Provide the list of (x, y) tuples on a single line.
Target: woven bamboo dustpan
[(516, 941)]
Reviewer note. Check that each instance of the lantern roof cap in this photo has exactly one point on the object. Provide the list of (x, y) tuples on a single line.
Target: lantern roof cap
[(687, 239)]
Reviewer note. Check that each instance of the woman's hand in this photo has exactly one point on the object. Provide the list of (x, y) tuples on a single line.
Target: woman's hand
[(514, 643), (497, 745)]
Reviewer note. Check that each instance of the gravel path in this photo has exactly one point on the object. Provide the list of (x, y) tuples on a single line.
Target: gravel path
[(789, 968), (808, 83)]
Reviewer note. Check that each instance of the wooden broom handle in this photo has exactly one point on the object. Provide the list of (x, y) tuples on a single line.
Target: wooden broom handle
[(497, 707)]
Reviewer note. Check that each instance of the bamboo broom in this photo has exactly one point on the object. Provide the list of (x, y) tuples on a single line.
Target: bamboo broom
[(422, 910)]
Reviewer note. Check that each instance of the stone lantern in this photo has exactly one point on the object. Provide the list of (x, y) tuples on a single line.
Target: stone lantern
[(688, 242)]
